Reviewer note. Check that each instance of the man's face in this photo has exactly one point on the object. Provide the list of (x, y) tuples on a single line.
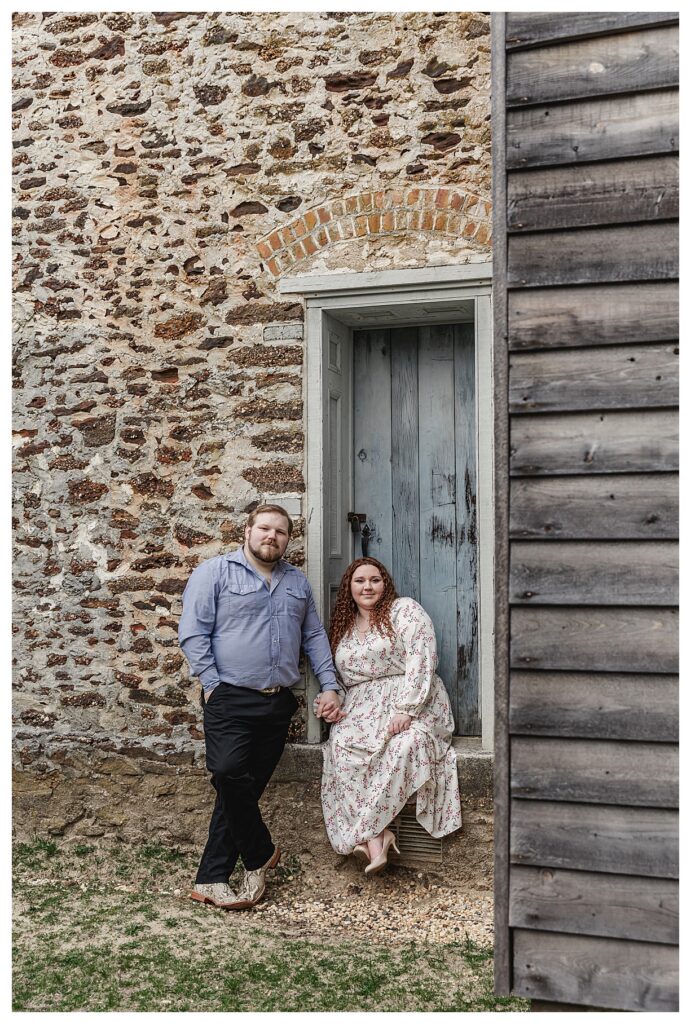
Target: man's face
[(268, 538)]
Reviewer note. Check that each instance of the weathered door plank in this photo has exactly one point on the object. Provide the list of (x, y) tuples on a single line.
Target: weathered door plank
[(609, 973), (438, 494), (589, 572), (468, 696), (596, 705), (645, 252), (625, 507), (590, 443), (611, 377), (595, 771), (536, 29), (405, 497), (601, 129), (595, 639), (630, 62), (621, 907), (614, 192), (595, 837), (372, 439), (593, 315)]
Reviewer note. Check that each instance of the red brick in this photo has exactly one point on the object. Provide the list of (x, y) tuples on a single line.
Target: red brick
[(321, 238), (309, 244), (360, 226), (397, 198), (273, 267), (299, 228), (482, 234), (365, 201), (413, 196), (374, 222), (333, 232), (379, 198), (440, 222), (297, 251), (274, 241), (310, 220), (287, 235), (469, 229), (442, 198), (351, 204), (388, 221), (264, 250), (324, 214), (414, 220), (456, 202), (427, 221)]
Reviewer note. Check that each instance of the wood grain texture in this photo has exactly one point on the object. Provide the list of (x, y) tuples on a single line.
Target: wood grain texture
[(638, 252), (587, 130), (593, 443), (614, 192), (595, 572), (615, 906), (595, 639), (372, 439), (595, 837), (405, 496), (626, 507), (438, 493), (466, 709), (610, 377), (637, 774), (595, 705), (609, 973), (502, 936), (593, 315), (631, 62), (538, 29)]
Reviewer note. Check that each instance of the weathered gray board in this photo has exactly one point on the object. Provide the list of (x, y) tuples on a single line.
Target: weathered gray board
[(599, 315), (599, 705), (415, 480), (586, 198), (609, 973), (614, 906), (633, 506), (535, 29)]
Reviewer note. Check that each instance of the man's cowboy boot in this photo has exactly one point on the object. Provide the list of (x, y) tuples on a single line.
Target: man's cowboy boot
[(219, 894), (254, 883)]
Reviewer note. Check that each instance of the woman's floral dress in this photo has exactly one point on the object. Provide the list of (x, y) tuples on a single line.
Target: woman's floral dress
[(368, 775)]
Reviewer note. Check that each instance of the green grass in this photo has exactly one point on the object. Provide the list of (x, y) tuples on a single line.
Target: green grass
[(84, 941)]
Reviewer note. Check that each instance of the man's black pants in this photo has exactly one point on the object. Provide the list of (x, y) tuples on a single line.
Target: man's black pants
[(245, 735)]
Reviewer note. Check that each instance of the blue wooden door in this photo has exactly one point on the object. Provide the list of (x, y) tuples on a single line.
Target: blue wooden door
[(414, 477)]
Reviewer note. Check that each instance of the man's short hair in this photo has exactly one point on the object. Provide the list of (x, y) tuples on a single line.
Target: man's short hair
[(251, 519)]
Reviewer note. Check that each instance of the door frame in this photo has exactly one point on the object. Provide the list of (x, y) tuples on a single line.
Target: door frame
[(438, 288)]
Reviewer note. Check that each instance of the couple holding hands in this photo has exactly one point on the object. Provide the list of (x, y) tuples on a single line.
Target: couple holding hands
[(245, 618)]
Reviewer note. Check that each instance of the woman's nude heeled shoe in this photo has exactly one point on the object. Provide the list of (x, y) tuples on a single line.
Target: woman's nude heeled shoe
[(361, 852), (380, 862)]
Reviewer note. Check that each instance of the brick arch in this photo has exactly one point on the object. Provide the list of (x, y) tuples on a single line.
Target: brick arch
[(435, 211)]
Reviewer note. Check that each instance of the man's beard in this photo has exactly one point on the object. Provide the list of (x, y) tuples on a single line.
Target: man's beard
[(272, 555)]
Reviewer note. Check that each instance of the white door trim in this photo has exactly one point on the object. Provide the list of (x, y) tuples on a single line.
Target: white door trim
[(435, 287)]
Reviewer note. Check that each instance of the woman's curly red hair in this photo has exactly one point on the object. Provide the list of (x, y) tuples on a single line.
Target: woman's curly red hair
[(345, 609)]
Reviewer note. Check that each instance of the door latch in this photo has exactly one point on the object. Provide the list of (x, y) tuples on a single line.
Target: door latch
[(358, 524)]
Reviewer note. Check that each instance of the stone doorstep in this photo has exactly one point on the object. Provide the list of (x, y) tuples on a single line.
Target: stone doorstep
[(303, 762)]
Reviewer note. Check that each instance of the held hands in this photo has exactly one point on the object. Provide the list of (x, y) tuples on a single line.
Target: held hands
[(399, 723), (328, 706)]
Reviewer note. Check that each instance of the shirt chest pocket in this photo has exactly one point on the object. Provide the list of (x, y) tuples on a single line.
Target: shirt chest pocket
[(241, 600), (293, 603)]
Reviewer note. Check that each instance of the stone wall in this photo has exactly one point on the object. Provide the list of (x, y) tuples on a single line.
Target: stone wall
[(168, 169)]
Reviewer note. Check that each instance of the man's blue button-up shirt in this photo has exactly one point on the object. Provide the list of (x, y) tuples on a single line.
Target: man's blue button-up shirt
[(237, 629)]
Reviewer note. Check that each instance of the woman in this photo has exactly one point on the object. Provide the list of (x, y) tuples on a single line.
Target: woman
[(393, 736)]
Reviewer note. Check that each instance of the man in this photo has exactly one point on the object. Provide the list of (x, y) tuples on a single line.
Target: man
[(245, 616)]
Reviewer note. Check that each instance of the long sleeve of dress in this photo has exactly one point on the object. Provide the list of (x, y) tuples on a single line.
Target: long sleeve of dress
[(415, 627)]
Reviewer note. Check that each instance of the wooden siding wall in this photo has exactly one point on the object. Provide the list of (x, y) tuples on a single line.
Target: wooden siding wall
[(586, 266)]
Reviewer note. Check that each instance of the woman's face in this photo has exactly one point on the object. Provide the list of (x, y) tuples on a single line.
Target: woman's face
[(367, 587)]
